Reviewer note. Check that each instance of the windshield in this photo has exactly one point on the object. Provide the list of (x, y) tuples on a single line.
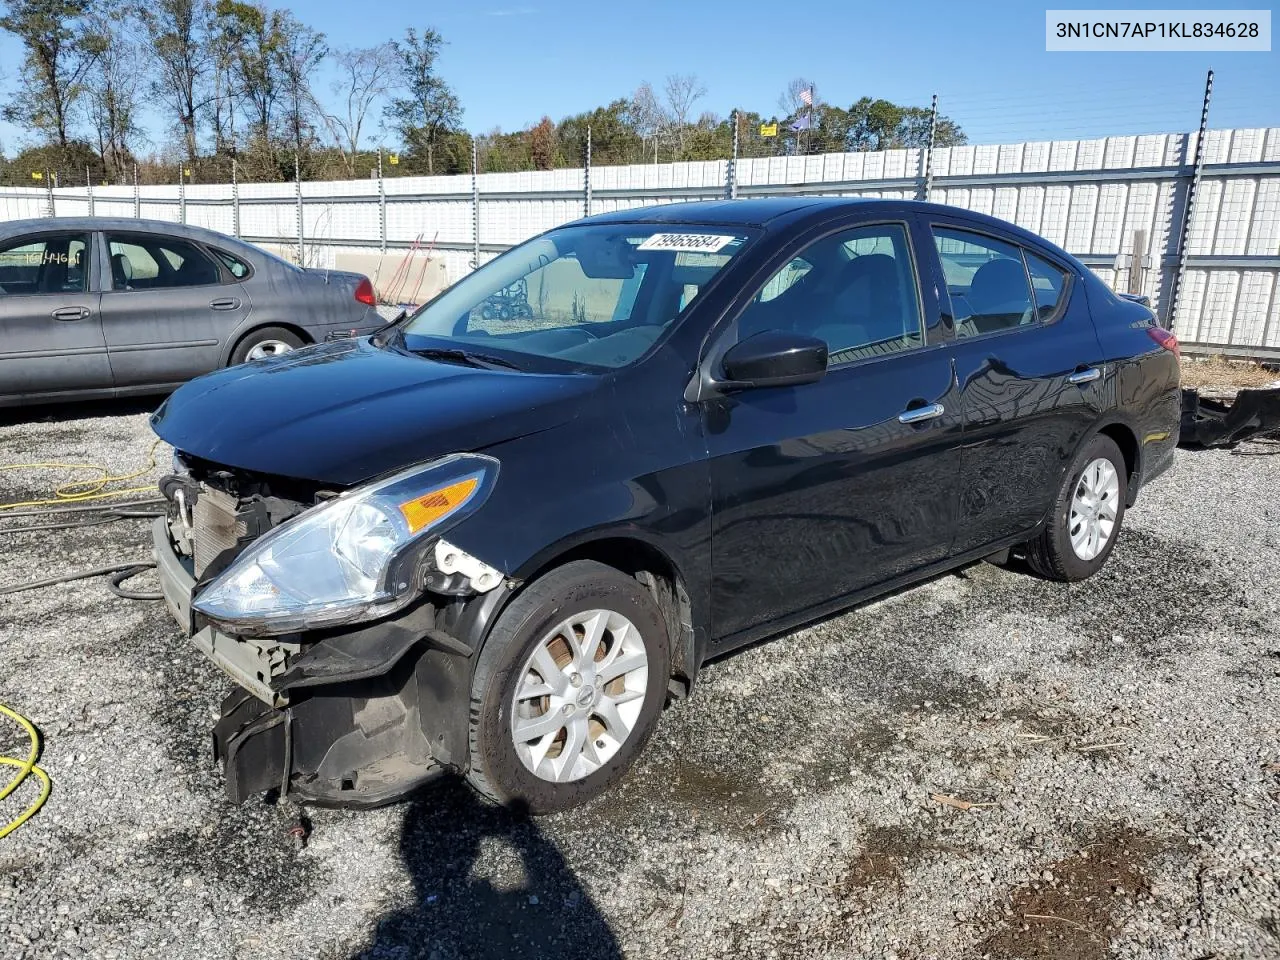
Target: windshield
[(592, 296)]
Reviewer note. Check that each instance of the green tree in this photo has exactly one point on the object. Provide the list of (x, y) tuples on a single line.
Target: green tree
[(59, 55), (542, 144), (430, 110), (181, 50), (614, 139)]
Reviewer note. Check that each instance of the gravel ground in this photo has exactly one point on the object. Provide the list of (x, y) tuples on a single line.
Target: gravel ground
[(1118, 742)]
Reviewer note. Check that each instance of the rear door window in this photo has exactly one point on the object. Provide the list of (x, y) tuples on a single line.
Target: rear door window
[(986, 280), (144, 262), (237, 267), (1047, 284)]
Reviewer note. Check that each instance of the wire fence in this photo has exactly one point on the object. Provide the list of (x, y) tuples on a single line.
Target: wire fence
[(1192, 223)]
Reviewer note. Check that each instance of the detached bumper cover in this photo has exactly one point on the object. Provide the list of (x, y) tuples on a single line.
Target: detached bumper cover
[(1213, 423)]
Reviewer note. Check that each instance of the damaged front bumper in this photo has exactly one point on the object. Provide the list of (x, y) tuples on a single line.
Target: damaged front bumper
[(354, 717)]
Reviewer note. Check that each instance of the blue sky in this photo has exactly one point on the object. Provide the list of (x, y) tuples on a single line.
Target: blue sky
[(511, 61)]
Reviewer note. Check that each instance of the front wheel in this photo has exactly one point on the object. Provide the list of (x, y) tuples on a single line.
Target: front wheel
[(568, 688), (1087, 514)]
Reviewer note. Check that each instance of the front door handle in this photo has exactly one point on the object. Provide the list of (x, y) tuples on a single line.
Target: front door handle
[(1087, 375), (226, 303), (70, 313), (918, 414)]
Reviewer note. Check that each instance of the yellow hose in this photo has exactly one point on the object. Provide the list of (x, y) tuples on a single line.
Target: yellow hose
[(25, 769), (78, 491)]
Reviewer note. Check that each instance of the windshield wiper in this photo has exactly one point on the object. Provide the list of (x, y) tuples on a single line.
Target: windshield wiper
[(450, 355)]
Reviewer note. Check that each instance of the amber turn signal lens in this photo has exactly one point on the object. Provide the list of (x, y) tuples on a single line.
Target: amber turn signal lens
[(425, 510)]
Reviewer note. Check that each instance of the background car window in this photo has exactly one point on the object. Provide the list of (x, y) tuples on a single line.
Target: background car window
[(856, 290), (48, 265), (986, 280), (238, 268), (150, 263), (554, 295), (1047, 282), (784, 279)]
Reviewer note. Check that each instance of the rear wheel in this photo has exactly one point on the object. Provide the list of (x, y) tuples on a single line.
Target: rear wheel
[(568, 688), (265, 343), (1087, 514)]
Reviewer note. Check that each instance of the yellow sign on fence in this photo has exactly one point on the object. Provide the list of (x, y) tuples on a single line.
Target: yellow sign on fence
[(37, 175), (393, 159), (768, 129)]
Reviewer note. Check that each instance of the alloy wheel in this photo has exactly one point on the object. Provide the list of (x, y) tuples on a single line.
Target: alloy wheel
[(268, 348), (1092, 518), (579, 695)]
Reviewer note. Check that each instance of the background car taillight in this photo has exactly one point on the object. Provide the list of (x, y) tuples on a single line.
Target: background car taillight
[(364, 292), (1166, 339)]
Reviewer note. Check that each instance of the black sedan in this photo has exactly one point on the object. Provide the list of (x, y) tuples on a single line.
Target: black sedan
[(101, 307), (497, 541)]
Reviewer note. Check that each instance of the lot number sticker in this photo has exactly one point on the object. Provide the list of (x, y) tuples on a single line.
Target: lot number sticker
[(696, 242)]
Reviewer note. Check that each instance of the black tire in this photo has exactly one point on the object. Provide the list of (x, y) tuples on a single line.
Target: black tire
[(496, 769), (241, 353), (1050, 554)]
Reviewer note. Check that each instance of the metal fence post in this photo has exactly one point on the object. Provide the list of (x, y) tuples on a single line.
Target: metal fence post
[(731, 172), (235, 199), (926, 184), (475, 205), (48, 186), (297, 188), (382, 206), (137, 197), (182, 195), (586, 176), (1184, 232), (88, 189)]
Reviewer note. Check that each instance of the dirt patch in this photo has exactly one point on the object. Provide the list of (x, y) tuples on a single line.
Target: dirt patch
[(1070, 912), (1228, 376)]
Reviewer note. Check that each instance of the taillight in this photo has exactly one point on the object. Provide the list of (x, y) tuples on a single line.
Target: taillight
[(1166, 339), (364, 292)]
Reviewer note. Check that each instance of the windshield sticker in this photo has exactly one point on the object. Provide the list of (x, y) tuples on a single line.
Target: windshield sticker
[(699, 242)]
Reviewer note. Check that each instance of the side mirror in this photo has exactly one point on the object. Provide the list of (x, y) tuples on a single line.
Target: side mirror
[(774, 358)]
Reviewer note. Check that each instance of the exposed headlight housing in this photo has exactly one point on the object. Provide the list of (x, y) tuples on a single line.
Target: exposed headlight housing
[(356, 557)]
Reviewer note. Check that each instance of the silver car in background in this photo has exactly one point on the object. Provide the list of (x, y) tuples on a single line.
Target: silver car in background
[(102, 307)]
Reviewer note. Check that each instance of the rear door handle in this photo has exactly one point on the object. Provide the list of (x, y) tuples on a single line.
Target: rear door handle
[(1087, 375), (917, 414), (70, 313), (226, 303)]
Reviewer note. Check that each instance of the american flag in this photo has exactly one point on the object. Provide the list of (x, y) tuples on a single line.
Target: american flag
[(806, 97)]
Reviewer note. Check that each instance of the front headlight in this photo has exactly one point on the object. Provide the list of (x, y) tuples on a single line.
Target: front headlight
[(355, 557)]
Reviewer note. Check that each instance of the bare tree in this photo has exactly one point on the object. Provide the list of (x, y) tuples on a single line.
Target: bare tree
[(299, 51), (789, 102), (112, 93), (648, 118), (180, 49), (683, 91), (364, 77)]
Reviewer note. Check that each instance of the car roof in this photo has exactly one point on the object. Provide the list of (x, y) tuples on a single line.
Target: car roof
[(14, 228), (798, 212)]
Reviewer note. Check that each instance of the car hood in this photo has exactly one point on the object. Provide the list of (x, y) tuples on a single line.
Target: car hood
[(345, 411)]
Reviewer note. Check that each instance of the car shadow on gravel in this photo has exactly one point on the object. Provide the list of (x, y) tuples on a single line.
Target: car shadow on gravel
[(488, 883)]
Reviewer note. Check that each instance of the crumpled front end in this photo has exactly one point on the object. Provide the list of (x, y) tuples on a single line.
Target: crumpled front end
[(353, 715)]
